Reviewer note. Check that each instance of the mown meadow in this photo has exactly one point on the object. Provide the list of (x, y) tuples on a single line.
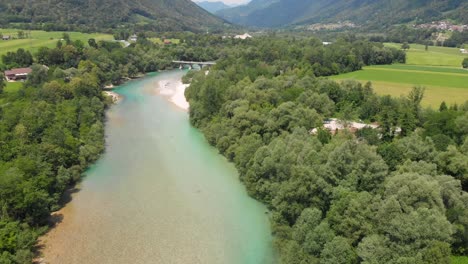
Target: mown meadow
[(438, 69), (434, 56), (37, 38)]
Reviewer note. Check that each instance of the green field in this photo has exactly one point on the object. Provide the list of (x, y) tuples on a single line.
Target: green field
[(442, 84), (411, 75), (438, 69), (459, 260), (434, 56), (40, 38)]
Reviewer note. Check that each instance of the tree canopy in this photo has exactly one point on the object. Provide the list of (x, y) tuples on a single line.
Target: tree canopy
[(392, 194)]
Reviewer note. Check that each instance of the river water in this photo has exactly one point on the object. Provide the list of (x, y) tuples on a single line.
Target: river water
[(159, 194)]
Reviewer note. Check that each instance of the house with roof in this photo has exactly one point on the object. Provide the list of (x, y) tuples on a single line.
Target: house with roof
[(17, 74), (6, 37)]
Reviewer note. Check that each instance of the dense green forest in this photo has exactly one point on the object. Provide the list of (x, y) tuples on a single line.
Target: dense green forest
[(93, 15), (396, 194), (50, 131)]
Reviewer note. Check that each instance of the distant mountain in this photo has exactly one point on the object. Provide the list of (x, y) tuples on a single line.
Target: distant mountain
[(374, 13), (158, 15), (212, 7)]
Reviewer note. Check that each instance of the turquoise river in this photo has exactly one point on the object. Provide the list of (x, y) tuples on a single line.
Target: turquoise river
[(159, 194)]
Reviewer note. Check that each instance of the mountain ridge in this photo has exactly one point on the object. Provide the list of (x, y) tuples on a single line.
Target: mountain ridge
[(369, 13), (98, 15)]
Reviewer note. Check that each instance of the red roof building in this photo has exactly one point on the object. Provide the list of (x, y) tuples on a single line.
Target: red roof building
[(17, 74)]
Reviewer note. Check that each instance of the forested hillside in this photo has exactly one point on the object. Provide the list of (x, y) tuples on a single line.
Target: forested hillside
[(99, 15), (392, 194), (370, 13)]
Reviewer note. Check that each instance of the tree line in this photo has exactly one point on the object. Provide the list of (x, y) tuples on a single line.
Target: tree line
[(396, 194)]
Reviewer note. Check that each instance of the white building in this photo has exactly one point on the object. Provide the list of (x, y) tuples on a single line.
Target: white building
[(245, 36), (333, 125)]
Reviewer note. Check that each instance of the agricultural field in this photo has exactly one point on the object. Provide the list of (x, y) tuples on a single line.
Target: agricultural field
[(434, 56), (37, 38), (438, 70)]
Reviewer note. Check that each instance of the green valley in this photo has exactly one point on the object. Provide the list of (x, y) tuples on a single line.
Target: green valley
[(151, 131)]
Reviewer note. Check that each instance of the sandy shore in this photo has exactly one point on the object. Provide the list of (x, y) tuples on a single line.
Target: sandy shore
[(174, 90), (115, 96)]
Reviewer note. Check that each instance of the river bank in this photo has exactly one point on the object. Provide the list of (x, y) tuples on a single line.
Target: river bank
[(115, 97), (151, 198), (174, 91)]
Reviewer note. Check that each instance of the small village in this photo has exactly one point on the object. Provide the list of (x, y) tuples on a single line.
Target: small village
[(243, 36), (442, 25), (331, 26)]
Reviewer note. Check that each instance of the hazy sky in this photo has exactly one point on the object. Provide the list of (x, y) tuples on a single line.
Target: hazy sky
[(229, 2)]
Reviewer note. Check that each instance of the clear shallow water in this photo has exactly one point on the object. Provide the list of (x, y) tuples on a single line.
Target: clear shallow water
[(160, 194)]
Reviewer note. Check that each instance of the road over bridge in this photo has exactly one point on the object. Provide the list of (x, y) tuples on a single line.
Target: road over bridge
[(191, 63)]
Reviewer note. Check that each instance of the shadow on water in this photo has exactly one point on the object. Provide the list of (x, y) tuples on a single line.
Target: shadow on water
[(54, 219), (68, 196)]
